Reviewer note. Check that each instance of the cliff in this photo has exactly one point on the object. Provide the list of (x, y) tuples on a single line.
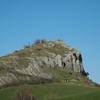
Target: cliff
[(43, 61)]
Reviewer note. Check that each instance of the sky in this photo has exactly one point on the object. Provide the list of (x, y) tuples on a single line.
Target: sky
[(77, 22)]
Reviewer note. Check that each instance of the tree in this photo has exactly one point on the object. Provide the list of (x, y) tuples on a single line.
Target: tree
[(24, 93), (85, 73)]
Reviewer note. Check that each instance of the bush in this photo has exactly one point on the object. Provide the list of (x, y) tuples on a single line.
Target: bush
[(43, 41), (16, 51), (38, 41), (85, 73), (24, 93), (27, 46)]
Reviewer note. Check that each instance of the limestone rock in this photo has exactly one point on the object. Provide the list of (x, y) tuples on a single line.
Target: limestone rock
[(33, 65)]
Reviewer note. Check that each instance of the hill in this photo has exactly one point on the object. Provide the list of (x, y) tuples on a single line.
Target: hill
[(43, 62)]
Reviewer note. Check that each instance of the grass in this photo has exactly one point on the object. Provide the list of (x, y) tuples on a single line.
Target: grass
[(55, 91)]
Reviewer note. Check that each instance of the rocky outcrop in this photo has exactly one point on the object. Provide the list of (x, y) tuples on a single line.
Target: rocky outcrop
[(39, 62)]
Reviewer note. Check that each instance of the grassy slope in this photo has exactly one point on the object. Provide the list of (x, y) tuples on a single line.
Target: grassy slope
[(55, 92), (47, 91)]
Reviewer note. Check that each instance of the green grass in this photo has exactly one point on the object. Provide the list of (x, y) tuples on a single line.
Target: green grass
[(55, 91)]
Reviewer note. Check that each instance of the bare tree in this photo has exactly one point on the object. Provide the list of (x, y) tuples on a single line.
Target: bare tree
[(24, 93)]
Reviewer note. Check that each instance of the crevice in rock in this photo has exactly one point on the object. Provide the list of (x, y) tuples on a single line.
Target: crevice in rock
[(74, 54), (80, 58)]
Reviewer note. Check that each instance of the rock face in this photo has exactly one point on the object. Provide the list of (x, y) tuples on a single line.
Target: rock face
[(44, 61)]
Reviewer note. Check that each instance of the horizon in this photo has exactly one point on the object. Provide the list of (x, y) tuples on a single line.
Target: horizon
[(77, 23)]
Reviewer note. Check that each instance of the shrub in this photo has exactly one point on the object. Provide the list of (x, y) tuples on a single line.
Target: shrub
[(24, 93), (38, 41), (85, 73), (16, 51), (27, 46), (43, 41)]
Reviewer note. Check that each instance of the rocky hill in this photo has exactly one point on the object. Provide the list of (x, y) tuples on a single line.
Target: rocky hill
[(43, 61)]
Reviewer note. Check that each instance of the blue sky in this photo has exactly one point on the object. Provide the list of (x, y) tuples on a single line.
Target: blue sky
[(77, 22)]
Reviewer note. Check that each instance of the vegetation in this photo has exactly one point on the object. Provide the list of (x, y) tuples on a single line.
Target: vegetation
[(24, 93), (69, 85), (55, 91)]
